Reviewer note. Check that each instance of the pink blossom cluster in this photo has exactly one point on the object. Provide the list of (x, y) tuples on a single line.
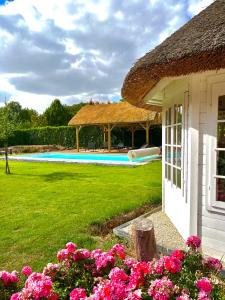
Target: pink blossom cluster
[(37, 286), (8, 278), (213, 263), (194, 242), (205, 287), (161, 289), (113, 276)]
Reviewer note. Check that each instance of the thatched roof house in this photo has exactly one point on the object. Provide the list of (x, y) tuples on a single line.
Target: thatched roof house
[(185, 78), (109, 116), (197, 46), (121, 113)]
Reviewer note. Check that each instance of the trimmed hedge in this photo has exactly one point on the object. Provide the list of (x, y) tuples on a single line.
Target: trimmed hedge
[(60, 135), (66, 136)]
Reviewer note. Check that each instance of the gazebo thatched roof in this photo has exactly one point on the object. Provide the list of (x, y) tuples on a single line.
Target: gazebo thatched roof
[(197, 46), (118, 114)]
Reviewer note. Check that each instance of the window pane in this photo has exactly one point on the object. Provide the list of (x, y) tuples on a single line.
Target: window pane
[(169, 172), (179, 178), (169, 116), (174, 154), (174, 176), (179, 114), (179, 133), (220, 163), (175, 135), (178, 156), (166, 167), (221, 108), (175, 114), (169, 135), (166, 133), (169, 154), (220, 189), (221, 135)]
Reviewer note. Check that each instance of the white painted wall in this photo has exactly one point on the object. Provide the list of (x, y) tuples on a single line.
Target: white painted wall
[(191, 209), (211, 223)]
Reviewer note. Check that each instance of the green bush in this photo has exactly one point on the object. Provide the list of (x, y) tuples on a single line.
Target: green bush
[(61, 135)]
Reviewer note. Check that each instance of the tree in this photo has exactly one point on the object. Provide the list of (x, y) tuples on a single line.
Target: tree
[(56, 114), (7, 127)]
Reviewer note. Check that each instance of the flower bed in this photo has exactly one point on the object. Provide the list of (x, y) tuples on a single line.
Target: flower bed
[(96, 275)]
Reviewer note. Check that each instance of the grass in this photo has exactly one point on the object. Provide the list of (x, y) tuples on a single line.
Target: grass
[(45, 205)]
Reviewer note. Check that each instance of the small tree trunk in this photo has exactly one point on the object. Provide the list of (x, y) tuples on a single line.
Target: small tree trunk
[(144, 239), (7, 170)]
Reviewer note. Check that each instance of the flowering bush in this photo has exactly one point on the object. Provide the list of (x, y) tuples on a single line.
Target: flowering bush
[(97, 275)]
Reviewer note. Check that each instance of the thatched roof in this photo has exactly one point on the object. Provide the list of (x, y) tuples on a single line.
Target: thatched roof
[(117, 113), (197, 46)]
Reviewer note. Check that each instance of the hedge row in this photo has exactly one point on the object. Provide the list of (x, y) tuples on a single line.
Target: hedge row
[(61, 135), (66, 136)]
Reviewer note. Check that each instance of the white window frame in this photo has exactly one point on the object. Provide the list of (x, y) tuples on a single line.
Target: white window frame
[(216, 90), (173, 146)]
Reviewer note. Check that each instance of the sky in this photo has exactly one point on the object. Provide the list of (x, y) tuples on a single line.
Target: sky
[(77, 50)]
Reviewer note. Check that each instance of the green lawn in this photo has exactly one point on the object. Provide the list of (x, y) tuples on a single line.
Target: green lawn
[(42, 206)]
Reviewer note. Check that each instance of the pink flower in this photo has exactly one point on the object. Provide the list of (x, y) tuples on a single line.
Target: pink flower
[(17, 296), (172, 264), (203, 296), (161, 289), (193, 242), (14, 277), (204, 285), (81, 255), (179, 254), (104, 260), (63, 254), (5, 277), (118, 250), (78, 294), (26, 271), (184, 295), (8, 278), (51, 270), (38, 286), (118, 274), (129, 262), (71, 247), (213, 263)]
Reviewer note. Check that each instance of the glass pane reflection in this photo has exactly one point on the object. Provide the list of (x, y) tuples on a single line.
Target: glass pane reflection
[(220, 163), (220, 189), (221, 135), (221, 108)]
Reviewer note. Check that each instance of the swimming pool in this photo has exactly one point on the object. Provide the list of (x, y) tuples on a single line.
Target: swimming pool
[(109, 159)]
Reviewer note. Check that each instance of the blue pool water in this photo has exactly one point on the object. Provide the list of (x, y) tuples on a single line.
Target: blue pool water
[(85, 157)]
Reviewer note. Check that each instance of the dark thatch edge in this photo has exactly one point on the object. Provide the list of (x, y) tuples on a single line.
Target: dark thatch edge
[(197, 46), (140, 81)]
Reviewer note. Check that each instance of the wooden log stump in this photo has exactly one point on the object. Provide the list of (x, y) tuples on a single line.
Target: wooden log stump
[(144, 239)]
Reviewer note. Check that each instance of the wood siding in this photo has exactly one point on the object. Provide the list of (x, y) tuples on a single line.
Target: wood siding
[(211, 225)]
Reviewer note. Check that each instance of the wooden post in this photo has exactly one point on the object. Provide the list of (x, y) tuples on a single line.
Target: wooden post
[(104, 134), (132, 136), (144, 239), (77, 138), (109, 137), (147, 133)]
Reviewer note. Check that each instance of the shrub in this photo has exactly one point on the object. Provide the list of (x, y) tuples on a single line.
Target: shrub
[(81, 275)]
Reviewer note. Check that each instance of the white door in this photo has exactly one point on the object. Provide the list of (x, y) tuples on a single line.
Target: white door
[(175, 136)]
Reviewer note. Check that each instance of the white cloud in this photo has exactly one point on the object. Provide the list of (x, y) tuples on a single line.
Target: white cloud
[(195, 6), (76, 50)]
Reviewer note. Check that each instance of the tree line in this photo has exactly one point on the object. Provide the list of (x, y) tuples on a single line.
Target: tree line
[(56, 114)]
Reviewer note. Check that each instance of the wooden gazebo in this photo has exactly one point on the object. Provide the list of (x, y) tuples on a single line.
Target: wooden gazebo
[(109, 116)]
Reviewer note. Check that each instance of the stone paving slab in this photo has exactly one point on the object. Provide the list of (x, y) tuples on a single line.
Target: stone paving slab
[(167, 236)]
